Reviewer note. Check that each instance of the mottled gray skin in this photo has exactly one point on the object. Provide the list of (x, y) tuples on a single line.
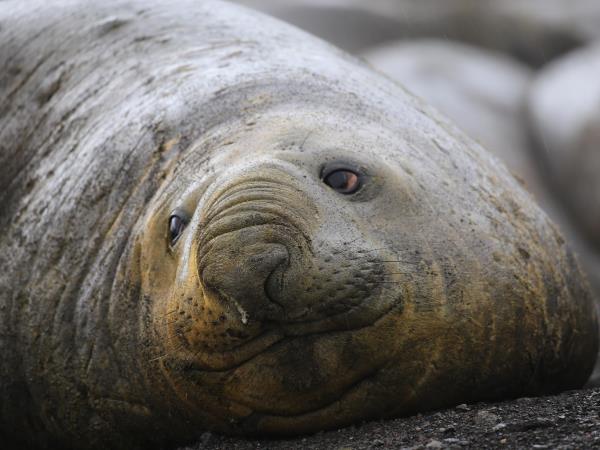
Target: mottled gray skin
[(483, 92), (285, 307), (486, 94)]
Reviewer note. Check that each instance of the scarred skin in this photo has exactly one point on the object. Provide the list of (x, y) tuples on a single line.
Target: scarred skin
[(284, 307)]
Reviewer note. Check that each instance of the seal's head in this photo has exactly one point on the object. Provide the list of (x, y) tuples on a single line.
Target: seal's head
[(312, 273)]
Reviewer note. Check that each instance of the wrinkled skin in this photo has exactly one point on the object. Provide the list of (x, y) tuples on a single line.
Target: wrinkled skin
[(284, 306)]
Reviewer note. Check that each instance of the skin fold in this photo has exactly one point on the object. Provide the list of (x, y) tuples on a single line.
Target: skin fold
[(283, 305)]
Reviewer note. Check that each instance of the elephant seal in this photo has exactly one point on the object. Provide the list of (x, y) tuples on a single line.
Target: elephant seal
[(214, 221)]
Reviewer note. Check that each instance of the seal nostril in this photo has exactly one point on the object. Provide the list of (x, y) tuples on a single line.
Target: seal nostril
[(247, 278), (274, 283)]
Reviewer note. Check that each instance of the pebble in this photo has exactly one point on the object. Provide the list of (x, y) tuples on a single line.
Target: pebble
[(205, 438), (486, 418), (499, 427)]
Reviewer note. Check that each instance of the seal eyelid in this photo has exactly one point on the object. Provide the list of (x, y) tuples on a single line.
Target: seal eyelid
[(177, 223), (342, 179)]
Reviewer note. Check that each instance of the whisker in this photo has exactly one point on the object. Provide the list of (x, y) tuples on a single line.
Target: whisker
[(158, 357), (404, 261), (176, 349), (372, 250)]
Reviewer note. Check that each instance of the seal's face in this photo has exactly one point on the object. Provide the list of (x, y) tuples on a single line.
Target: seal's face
[(263, 272), (267, 271), (320, 276)]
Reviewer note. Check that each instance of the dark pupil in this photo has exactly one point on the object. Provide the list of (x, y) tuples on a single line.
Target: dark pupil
[(176, 226), (338, 180)]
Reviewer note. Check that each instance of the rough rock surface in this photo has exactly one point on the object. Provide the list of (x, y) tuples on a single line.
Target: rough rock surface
[(567, 421)]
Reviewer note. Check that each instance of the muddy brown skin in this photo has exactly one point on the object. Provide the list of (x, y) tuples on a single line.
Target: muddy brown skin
[(177, 255)]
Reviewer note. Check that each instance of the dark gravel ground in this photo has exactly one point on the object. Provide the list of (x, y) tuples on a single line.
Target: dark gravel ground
[(570, 420)]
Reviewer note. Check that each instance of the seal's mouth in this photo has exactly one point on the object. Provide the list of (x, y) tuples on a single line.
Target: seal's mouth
[(270, 420), (275, 333), (222, 361), (278, 378)]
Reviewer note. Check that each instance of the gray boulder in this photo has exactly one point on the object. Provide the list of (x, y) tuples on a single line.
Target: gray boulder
[(564, 110), (533, 30)]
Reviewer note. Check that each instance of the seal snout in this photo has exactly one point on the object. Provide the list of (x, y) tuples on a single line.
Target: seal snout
[(241, 276), (249, 239)]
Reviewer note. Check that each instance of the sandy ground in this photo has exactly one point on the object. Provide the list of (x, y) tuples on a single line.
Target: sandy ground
[(570, 420)]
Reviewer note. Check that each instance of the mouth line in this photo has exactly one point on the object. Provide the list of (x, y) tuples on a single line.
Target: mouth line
[(225, 361), (357, 317)]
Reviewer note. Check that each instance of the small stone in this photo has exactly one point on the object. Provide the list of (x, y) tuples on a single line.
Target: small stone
[(503, 441), (463, 407), (448, 429), (486, 418), (456, 441), (539, 422), (377, 443), (205, 438), (499, 427), (434, 444)]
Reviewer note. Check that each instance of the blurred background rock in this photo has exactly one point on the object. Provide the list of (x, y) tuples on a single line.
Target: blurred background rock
[(531, 30), (522, 77)]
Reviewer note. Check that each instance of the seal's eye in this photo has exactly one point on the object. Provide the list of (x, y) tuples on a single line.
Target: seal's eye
[(176, 225), (343, 181)]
